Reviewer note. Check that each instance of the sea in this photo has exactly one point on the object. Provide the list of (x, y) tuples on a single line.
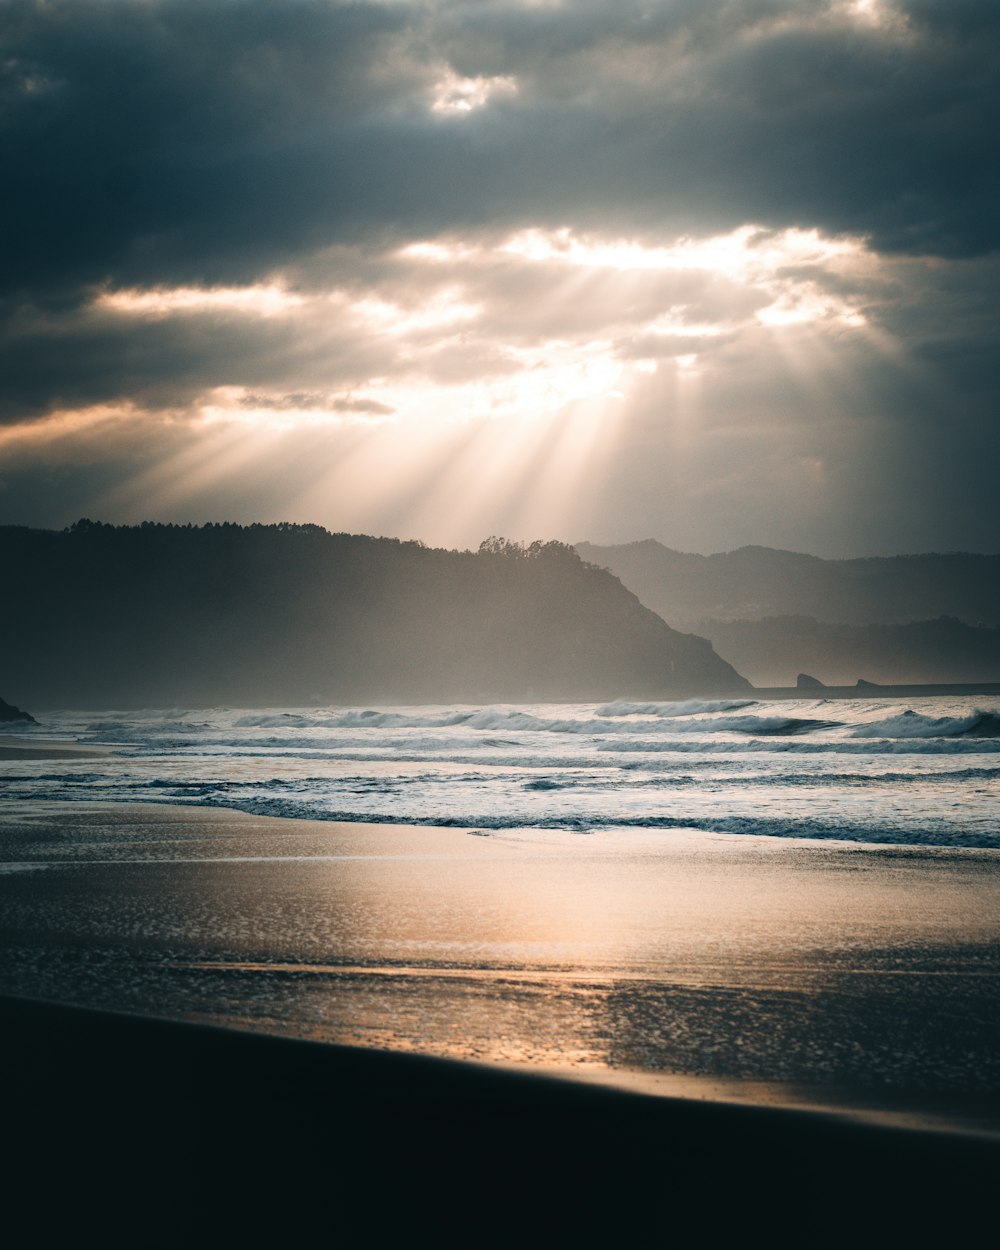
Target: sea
[(876, 771)]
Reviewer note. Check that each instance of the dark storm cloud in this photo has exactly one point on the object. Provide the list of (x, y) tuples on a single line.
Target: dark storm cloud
[(84, 357), (149, 140), (194, 141), (154, 144)]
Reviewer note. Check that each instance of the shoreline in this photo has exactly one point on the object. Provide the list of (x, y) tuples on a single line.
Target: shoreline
[(13, 747)]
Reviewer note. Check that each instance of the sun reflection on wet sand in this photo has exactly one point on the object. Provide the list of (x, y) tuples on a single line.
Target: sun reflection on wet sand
[(683, 954)]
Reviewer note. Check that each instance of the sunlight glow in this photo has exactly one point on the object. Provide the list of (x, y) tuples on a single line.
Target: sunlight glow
[(445, 308), (219, 454), (804, 302), (454, 94), (672, 325), (65, 424), (766, 266), (878, 15), (742, 255), (513, 358), (261, 300), (554, 374), (436, 251), (873, 12)]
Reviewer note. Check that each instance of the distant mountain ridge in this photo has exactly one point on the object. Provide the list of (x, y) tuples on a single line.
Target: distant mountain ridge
[(266, 615), (755, 582), (771, 613)]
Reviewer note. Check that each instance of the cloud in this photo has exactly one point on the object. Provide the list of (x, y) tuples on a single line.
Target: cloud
[(189, 142), (753, 244), (528, 313)]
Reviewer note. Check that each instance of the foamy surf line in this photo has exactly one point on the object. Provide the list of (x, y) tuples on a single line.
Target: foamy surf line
[(729, 766), (386, 805)]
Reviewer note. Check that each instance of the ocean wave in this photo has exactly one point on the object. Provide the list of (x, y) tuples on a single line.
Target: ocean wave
[(369, 719), (493, 719), (55, 776), (126, 730), (748, 826), (775, 725), (729, 766), (910, 724), (869, 746), (874, 779), (689, 707)]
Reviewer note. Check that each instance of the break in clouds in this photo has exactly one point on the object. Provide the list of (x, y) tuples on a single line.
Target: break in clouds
[(711, 272)]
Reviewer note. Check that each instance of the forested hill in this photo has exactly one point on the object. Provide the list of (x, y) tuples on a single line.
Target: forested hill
[(104, 616)]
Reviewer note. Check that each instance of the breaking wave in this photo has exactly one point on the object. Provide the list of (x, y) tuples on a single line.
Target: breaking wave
[(877, 745), (689, 707), (526, 722), (871, 833), (866, 770), (910, 724)]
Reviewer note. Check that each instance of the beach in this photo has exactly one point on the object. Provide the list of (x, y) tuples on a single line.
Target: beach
[(711, 966), (209, 1010)]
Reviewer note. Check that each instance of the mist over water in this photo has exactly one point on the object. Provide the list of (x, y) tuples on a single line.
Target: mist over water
[(872, 771)]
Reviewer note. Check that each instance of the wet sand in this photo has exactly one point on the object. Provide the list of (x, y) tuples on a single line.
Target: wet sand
[(13, 748), (719, 968), (754, 978)]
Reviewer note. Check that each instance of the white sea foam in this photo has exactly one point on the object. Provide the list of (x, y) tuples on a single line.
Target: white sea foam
[(689, 707), (742, 767), (526, 722), (910, 724), (877, 745)]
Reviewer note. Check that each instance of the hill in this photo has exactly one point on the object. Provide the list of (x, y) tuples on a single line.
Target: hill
[(919, 618), (755, 582), (287, 614)]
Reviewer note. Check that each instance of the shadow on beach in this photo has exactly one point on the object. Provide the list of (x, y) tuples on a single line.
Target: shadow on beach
[(141, 1130)]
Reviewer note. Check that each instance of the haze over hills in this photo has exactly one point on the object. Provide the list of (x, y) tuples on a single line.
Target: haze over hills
[(754, 582), (773, 614), (774, 650), (104, 616)]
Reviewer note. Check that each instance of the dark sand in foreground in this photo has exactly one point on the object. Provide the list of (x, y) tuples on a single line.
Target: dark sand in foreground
[(144, 1132)]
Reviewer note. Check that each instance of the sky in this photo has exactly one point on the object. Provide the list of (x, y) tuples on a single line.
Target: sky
[(714, 272)]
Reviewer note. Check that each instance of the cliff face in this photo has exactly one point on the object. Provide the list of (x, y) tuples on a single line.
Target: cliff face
[(292, 614)]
